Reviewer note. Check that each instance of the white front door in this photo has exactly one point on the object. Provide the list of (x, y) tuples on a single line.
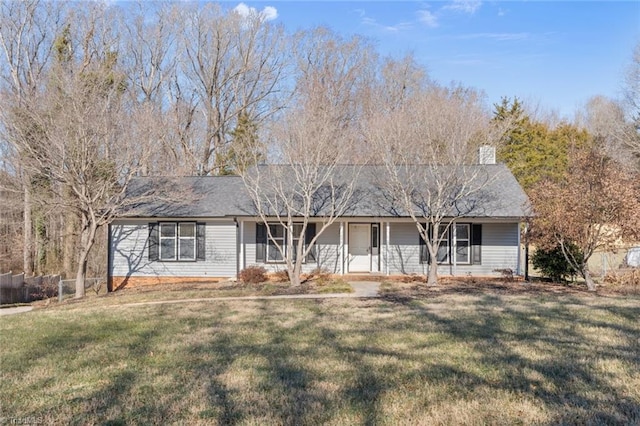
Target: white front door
[(359, 248)]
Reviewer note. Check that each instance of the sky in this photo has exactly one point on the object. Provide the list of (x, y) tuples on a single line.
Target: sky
[(553, 55)]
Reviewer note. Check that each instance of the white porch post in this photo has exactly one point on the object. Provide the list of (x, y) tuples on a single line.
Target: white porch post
[(242, 259), (519, 252), (454, 251), (341, 248), (386, 249)]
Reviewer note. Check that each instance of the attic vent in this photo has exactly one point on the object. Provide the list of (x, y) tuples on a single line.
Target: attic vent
[(487, 154)]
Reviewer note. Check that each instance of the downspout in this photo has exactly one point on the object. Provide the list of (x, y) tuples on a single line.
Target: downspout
[(109, 261), (519, 257), (242, 255), (235, 221), (526, 251)]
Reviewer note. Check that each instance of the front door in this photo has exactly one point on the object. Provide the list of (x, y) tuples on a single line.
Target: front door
[(359, 248)]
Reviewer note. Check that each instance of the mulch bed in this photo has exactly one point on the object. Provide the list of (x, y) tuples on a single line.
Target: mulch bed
[(267, 288), (471, 286)]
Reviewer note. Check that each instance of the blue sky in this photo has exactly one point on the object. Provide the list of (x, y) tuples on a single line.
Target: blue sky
[(555, 54)]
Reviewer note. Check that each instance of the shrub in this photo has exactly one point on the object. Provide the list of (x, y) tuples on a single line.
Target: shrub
[(45, 290), (553, 264), (253, 275), (626, 278)]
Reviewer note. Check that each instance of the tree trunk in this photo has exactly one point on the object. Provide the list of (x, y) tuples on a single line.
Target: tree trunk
[(69, 241), (587, 278), (87, 238), (432, 277), (294, 274), (294, 279), (40, 249), (81, 274), (27, 231)]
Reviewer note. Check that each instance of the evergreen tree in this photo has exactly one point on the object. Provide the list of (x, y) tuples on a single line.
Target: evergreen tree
[(533, 151), (243, 150)]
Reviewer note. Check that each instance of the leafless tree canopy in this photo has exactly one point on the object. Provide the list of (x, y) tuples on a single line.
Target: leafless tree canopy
[(429, 143)]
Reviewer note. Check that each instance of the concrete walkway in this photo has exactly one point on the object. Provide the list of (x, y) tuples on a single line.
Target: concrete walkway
[(361, 289), (365, 288), (15, 310)]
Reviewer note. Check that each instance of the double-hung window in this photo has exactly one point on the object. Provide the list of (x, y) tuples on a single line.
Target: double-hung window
[(468, 248), (443, 245), (177, 241), (463, 242), (278, 235), (278, 238)]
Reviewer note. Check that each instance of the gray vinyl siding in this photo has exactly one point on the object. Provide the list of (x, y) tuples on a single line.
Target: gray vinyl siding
[(130, 254), (327, 247), (130, 257), (499, 250), (403, 251)]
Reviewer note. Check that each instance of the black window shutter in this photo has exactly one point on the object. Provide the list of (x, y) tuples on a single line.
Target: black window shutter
[(261, 242), (200, 241), (476, 242), (424, 251), (309, 234), (153, 241)]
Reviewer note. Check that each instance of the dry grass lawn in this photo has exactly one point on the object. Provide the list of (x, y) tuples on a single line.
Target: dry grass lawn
[(489, 356)]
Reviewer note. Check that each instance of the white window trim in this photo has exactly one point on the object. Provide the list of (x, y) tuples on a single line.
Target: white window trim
[(176, 242), (282, 241), (468, 240), (161, 238), (180, 238)]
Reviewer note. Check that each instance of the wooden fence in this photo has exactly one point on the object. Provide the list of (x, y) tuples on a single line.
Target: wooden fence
[(21, 289)]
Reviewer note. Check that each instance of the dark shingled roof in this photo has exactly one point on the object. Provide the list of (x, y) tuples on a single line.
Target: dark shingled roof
[(226, 196)]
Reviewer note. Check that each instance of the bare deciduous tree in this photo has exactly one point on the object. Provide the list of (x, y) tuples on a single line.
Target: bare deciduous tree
[(83, 149), (309, 178), (632, 100), (429, 145), (27, 30), (595, 206), (232, 64), (605, 119), (308, 181), (150, 67)]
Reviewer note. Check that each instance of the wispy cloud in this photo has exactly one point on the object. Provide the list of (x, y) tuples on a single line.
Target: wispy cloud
[(269, 13), (495, 36), (367, 20), (465, 6), (360, 12), (427, 18)]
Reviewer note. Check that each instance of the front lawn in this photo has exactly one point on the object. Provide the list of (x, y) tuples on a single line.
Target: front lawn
[(476, 358)]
